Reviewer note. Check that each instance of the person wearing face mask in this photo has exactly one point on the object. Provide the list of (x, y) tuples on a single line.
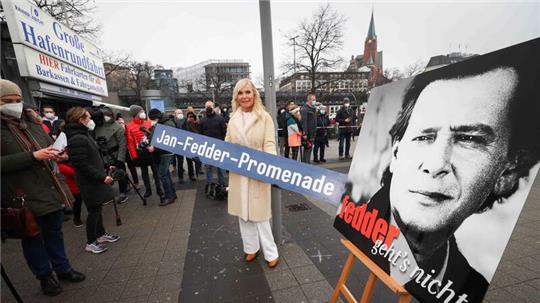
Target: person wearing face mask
[(179, 163), (50, 120), (162, 159), (113, 137), (321, 135), (136, 132), (345, 118), (213, 125), (26, 161), (91, 176)]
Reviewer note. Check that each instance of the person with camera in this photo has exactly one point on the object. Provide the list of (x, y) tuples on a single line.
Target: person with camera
[(162, 159), (111, 139), (91, 176), (137, 132), (27, 175)]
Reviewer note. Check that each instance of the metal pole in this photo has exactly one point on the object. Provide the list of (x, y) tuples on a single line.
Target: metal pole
[(270, 101)]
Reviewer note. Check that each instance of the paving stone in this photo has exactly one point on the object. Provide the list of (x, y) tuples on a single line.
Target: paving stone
[(290, 295), (281, 279), (167, 296), (318, 292), (118, 275), (307, 274), (108, 292), (138, 287)]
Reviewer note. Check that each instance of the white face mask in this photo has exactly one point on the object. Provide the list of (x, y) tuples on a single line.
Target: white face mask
[(323, 111), (180, 116), (347, 104), (49, 116), (91, 125), (107, 118), (12, 109), (153, 122), (142, 116)]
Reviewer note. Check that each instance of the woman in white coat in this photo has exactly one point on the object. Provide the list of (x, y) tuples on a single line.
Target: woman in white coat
[(250, 200)]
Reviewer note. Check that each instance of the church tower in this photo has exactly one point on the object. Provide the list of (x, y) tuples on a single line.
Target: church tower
[(370, 45), (372, 58)]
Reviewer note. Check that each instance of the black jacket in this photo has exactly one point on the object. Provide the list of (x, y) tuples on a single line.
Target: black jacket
[(342, 114), (89, 166), (282, 123), (309, 120), (321, 135), (213, 126)]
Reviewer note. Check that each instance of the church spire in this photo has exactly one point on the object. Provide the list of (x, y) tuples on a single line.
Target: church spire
[(371, 32)]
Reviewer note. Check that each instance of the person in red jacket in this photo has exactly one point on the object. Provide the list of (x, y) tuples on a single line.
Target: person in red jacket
[(137, 142), (69, 174)]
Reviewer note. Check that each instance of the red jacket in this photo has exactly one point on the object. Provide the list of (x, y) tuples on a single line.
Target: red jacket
[(134, 135), (69, 173)]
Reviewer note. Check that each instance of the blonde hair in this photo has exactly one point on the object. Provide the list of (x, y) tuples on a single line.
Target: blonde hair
[(258, 107)]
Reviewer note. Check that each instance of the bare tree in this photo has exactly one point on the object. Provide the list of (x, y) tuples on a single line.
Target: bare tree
[(116, 61), (393, 74), (414, 69), (141, 77), (317, 42), (75, 14)]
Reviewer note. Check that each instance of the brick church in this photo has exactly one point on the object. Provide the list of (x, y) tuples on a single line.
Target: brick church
[(372, 60)]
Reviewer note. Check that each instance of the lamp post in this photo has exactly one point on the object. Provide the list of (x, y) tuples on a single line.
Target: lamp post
[(213, 96), (294, 53)]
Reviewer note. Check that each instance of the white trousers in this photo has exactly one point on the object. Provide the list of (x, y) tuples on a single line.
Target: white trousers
[(257, 234)]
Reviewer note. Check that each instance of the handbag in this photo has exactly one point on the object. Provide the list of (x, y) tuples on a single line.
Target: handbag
[(19, 223)]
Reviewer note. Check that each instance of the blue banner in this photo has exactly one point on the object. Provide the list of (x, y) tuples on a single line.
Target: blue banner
[(319, 183)]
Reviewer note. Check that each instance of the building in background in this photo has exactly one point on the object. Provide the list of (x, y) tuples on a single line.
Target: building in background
[(327, 82), (220, 74), (443, 60)]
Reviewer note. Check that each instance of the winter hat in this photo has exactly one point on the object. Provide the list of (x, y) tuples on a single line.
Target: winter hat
[(107, 111), (154, 114), (134, 110), (8, 88)]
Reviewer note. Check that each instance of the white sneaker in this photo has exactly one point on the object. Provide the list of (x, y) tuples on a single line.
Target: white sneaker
[(95, 248), (108, 238)]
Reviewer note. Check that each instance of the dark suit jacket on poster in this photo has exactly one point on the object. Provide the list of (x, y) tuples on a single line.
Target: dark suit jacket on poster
[(466, 280)]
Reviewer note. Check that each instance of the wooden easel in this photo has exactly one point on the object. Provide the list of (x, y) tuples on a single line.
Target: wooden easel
[(376, 273)]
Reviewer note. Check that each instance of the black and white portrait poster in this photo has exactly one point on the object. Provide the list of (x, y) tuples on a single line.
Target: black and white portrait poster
[(443, 166)]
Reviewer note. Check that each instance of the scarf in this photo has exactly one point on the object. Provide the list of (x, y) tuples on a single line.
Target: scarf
[(19, 129)]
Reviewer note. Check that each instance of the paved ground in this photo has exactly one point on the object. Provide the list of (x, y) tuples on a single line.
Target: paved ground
[(191, 252)]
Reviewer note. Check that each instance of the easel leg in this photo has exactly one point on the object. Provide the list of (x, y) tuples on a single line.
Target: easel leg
[(344, 275), (404, 299), (368, 289)]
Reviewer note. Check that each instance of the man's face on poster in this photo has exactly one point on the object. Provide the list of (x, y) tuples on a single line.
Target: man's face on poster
[(453, 152)]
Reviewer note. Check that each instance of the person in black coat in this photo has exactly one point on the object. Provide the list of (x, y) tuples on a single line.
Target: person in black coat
[(321, 135), (213, 125), (91, 176), (346, 118), (191, 125)]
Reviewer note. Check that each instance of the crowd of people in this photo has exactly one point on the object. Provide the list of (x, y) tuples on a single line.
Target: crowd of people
[(58, 165), (305, 130)]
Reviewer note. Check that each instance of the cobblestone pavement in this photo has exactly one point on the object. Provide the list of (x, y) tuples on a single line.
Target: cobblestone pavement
[(191, 251)]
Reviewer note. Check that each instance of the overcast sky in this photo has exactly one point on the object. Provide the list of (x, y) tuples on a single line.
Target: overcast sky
[(183, 33)]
